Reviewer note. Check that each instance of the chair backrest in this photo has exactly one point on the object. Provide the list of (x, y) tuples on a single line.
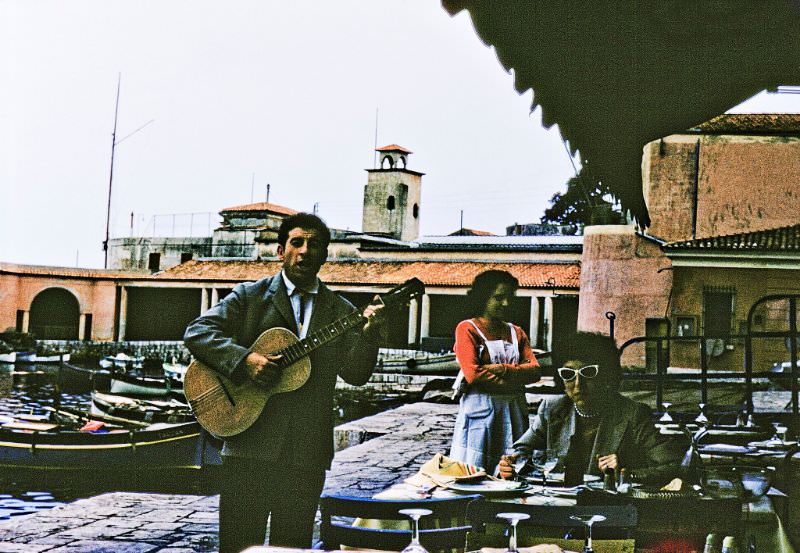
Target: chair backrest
[(620, 520), (688, 517), (378, 524)]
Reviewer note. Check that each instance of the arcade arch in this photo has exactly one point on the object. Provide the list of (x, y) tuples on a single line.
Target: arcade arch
[(55, 315)]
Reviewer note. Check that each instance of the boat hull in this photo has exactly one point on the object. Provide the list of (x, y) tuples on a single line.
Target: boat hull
[(78, 379), (140, 410), (127, 384), (30, 358), (169, 447)]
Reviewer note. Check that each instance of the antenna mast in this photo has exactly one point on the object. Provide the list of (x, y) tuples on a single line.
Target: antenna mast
[(375, 150), (111, 175)]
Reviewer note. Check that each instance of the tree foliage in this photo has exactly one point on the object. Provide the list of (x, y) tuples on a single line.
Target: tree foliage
[(584, 202)]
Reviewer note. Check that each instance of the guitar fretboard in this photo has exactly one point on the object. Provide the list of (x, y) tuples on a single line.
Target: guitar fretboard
[(320, 338)]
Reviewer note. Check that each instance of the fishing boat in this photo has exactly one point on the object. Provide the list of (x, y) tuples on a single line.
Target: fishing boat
[(175, 370), (31, 357), (121, 361), (419, 363), (129, 383), (43, 445), (9, 357), (79, 379), (169, 410)]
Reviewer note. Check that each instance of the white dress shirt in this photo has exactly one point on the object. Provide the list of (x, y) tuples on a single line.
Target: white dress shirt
[(295, 295)]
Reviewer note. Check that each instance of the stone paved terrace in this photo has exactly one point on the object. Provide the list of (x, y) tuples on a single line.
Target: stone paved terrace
[(398, 441)]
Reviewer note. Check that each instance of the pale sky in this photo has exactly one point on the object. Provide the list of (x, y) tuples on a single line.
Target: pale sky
[(285, 91)]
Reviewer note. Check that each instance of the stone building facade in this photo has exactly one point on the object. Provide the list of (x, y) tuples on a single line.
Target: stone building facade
[(392, 196), (712, 194)]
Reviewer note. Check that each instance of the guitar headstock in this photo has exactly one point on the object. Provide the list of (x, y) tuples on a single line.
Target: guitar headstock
[(404, 293)]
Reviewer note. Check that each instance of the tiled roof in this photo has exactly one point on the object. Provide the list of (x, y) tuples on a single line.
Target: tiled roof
[(393, 148), (783, 239), (471, 232), (262, 206), (70, 272), (482, 243), (752, 123), (433, 273)]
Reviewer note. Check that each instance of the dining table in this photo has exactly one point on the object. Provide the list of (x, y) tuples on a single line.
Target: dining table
[(759, 517)]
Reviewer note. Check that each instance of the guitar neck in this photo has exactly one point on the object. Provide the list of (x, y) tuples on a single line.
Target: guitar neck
[(320, 337)]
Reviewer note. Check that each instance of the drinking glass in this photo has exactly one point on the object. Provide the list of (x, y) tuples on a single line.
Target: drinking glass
[(518, 463), (587, 521), (701, 418), (546, 468), (780, 434), (666, 417), (513, 519), (415, 514)]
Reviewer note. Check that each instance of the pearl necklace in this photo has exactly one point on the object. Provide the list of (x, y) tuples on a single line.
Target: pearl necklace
[(585, 415)]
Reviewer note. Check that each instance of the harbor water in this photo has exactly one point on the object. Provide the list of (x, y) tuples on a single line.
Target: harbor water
[(34, 391)]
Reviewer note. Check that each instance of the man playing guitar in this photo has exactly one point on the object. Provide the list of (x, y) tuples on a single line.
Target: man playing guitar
[(277, 466)]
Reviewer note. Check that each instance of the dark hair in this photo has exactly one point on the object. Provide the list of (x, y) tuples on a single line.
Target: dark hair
[(484, 285), (305, 221), (593, 349)]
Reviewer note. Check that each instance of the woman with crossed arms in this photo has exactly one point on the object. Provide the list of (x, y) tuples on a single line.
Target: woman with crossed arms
[(496, 362)]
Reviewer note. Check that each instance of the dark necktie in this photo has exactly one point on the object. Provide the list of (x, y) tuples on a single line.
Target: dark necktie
[(302, 311)]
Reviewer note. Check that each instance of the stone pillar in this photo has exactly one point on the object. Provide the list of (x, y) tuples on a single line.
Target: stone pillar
[(425, 317), (533, 335), (214, 297), (123, 312), (26, 320), (413, 314), (548, 320), (82, 327), (203, 300)]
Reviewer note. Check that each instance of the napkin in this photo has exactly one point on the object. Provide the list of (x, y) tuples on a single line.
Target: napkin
[(442, 470)]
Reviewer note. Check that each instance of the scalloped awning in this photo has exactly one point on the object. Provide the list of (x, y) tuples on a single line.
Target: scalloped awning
[(616, 75)]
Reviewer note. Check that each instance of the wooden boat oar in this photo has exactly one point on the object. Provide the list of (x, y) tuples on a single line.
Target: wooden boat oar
[(102, 418)]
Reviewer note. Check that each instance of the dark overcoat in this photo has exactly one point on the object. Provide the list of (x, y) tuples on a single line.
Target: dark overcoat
[(626, 429), (295, 428)]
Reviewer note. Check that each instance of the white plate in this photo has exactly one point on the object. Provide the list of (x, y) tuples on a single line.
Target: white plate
[(557, 491), (490, 487)]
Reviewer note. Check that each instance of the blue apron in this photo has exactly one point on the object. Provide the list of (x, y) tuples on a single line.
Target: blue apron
[(487, 424)]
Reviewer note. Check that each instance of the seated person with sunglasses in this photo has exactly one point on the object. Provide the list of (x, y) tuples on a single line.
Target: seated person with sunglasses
[(593, 427)]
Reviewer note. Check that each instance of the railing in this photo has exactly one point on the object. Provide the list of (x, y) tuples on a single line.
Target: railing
[(750, 339)]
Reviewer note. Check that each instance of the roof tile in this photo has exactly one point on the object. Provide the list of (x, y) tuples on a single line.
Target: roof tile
[(432, 273), (755, 123), (785, 239), (262, 206)]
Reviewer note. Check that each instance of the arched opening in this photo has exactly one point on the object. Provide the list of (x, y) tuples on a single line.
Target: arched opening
[(390, 203), (403, 161), (415, 211), (390, 160), (55, 315)]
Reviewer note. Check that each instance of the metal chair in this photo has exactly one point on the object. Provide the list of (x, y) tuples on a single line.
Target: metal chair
[(376, 524), (620, 522), (688, 517)]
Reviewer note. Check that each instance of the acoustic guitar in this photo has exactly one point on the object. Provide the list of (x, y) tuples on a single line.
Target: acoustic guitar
[(228, 406)]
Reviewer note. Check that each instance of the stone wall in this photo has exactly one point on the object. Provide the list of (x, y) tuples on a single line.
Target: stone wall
[(744, 183), (626, 274), (95, 296)]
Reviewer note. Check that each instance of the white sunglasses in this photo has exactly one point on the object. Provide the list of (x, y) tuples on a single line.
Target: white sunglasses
[(589, 371)]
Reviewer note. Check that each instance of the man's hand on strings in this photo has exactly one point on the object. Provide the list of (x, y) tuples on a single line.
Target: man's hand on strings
[(262, 369)]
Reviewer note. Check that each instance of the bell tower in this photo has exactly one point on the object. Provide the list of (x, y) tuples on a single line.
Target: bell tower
[(392, 196)]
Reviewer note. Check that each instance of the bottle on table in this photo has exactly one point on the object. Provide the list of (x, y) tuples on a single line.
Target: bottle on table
[(713, 544), (609, 480), (729, 545)]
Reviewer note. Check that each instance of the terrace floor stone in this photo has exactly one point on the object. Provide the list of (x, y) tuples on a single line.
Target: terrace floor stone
[(126, 522)]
